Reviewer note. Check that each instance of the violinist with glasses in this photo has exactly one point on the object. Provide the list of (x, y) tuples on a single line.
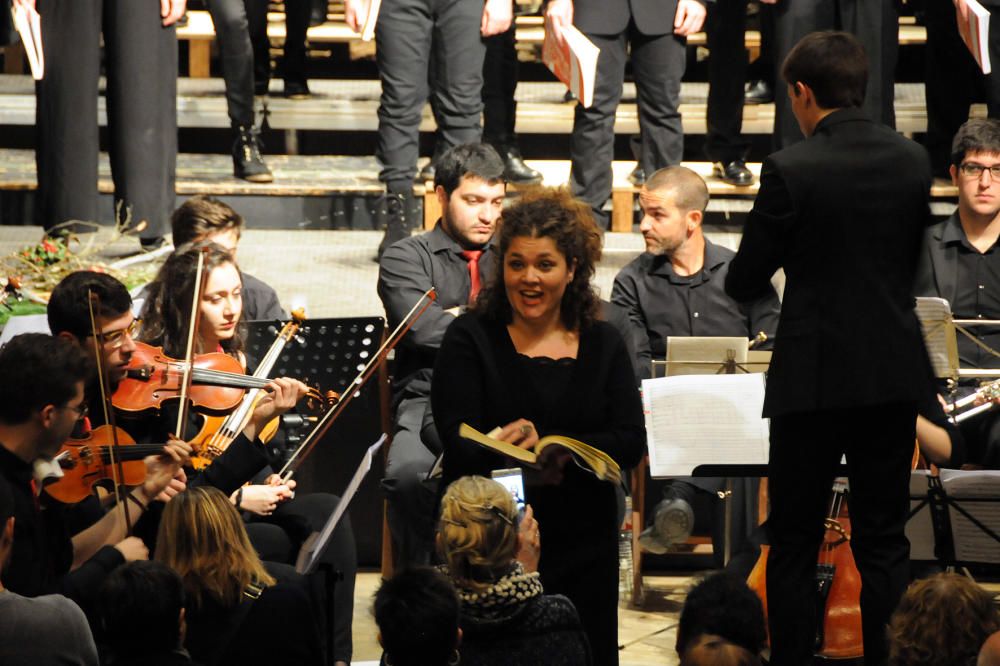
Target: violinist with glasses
[(41, 402)]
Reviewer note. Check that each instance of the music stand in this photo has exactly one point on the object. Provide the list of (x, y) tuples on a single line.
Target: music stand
[(974, 542), (703, 356), (940, 330)]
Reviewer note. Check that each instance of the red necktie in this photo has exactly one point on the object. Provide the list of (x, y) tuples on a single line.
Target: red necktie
[(472, 256)]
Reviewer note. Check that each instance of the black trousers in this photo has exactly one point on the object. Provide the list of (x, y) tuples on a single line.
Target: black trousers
[(500, 72), (954, 81), (296, 24), (806, 449), (278, 537), (727, 71), (233, 34), (658, 64), (141, 68), (876, 25), (412, 37)]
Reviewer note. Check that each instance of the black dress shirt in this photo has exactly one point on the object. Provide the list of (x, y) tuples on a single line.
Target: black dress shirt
[(977, 276), (43, 552), (406, 271), (661, 303)]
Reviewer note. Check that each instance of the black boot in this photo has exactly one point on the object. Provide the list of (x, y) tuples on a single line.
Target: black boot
[(248, 163), (397, 222), (514, 168)]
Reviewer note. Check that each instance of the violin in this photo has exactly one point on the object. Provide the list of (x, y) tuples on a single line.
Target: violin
[(88, 462), (218, 382), (838, 585)]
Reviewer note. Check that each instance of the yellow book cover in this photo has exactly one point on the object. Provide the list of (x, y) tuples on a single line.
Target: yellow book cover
[(589, 458)]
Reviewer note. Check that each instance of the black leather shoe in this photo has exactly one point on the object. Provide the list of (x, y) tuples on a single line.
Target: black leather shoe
[(516, 171), (397, 222), (427, 173), (734, 173), (248, 163), (638, 176), (758, 92), (296, 90)]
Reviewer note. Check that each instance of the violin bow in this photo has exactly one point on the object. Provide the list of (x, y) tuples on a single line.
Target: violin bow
[(199, 289), (103, 374), (310, 441)]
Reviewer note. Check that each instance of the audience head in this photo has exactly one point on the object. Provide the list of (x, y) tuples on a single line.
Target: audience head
[(709, 650), (6, 524), (549, 247), (202, 538), (989, 655), (975, 153), (167, 310), (944, 619), (825, 71), (477, 535), (723, 606), (470, 188), (203, 219), (417, 616), (673, 203), (141, 609), (42, 390)]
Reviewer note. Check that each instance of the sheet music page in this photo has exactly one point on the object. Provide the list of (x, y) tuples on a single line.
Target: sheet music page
[(317, 542), (919, 528), (696, 420), (971, 543), (939, 334)]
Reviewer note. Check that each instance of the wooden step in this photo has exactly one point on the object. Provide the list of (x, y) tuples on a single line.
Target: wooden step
[(333, 175), (352, 105)]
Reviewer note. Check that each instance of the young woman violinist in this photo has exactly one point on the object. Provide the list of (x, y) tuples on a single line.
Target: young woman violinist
[(278, 521)]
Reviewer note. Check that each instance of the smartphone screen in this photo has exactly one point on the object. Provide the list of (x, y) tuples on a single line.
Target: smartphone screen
[(513, 481)]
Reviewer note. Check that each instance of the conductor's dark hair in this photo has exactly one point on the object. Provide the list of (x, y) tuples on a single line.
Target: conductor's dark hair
[(723, 605), (39, 370), (979, 135), (833, 65), (417, 616), (139, 606), (470, 160), (68, 311)]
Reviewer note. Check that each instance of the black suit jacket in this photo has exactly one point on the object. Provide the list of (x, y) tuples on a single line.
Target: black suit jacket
[(843, 213), (611, 17)]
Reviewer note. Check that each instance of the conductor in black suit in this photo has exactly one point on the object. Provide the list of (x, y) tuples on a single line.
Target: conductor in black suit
[(843, 212), (653, 34)]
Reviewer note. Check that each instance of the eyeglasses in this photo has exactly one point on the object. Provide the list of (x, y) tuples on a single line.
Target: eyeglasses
[(972, 170), (116, 338), (81, 410)]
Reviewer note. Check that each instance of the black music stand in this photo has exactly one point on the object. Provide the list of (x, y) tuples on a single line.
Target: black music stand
[(327, 352), (940, 505)]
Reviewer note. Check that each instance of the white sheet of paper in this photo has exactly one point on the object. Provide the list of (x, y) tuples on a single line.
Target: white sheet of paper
[(971, 543), (939, 334), (313, 547), (696, 420)]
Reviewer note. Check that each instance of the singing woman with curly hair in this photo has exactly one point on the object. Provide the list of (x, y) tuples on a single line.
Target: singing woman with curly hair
[(533, 359)]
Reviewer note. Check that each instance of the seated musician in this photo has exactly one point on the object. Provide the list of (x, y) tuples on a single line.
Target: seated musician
[(203, 219), (279, 524), (676, 288), (236, 612), (41, 401), (960, 262)]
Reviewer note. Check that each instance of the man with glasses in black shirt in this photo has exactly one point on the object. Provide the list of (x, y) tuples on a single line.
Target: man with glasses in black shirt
[(960, 262)]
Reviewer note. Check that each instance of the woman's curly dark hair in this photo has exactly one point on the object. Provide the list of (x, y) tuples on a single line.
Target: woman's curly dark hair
[(944, 619), (167, 309), (546, 212)]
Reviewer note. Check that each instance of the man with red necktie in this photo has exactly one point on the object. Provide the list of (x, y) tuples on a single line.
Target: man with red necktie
[(456, 259)]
